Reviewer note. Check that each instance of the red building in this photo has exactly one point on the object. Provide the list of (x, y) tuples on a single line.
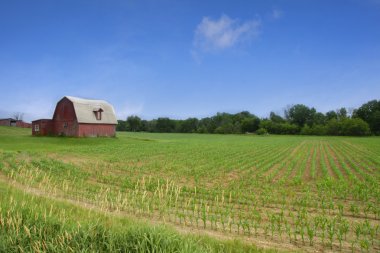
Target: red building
[(15, 123), (78, 117)]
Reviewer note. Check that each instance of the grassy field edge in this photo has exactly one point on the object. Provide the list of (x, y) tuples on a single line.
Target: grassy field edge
[(36, 223)]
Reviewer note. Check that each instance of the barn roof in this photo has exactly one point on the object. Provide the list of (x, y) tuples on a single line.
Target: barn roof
[(85, 108)]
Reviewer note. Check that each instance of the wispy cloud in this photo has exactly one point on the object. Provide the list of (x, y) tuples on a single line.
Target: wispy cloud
[(277, 14), (223, 33), (128, 109)]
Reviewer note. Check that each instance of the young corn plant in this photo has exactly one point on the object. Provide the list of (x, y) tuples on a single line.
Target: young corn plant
[(358, 231), (272, 219), (323, 223), (310, 233), (339, 235), (364, 244), (204, 215), (331, 231), (257, 221), (288, 230)]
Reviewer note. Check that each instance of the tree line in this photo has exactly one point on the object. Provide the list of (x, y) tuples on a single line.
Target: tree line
[(297, 119)]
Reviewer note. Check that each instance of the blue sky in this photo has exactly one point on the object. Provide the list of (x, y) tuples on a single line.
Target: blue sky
[(188, 58)]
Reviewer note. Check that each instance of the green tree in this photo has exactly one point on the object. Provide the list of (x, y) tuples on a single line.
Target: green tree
[(165, 125), (341, 113), (334, 127), (355, 127), (279, 128), (300, 115), (226, 128), (331, 115), (319, 119), (133, 123), (314, 130), (189, 125), (239, 117), (276, 118), (207, 125), (370, 113), (121, 125), (250, 125), (144, 126)]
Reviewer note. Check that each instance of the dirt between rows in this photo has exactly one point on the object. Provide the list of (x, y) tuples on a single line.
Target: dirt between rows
[(266, 242), (307, 175), (280, 173), (331, 172)]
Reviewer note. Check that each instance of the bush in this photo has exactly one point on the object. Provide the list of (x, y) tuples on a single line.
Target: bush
[(261, 131), (355, 127), (314, 130), (279, 128), (334, 127)]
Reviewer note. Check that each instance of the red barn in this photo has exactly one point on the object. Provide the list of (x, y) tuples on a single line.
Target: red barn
[(78, 117), (15, 123)]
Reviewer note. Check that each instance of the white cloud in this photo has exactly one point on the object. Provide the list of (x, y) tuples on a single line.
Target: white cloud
[(129, 109), (214, 35), (277, 13)]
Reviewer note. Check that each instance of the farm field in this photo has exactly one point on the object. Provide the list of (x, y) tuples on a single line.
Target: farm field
[(291, 193)]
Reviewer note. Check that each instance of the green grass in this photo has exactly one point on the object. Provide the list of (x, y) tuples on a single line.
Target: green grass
[(264, 189), (34, 224)]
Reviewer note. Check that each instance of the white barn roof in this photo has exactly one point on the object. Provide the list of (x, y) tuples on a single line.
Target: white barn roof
[(85, 108)]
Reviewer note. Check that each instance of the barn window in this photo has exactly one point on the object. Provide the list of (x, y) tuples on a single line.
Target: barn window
[(36, 128), (65, 125), (98, 113)]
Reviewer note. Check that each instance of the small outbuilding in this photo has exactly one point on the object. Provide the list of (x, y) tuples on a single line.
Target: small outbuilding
[(14, 123), (80, 118)]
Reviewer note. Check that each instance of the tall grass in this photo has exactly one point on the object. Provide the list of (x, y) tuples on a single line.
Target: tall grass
[(37, 224)]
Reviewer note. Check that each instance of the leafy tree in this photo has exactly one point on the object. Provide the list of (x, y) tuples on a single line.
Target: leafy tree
[(151, 126), (314, 130), (165, 125), (239, 117), (133, 123), (334, 127), (189, 125), (279, 128), (350, 127), (319, 130), (331, 115), (222, 118), (226, 128), (375, 122), (144, 126), (370, 113), (355, 127), (300, 115), (121, 125), (276, 118), (288, 128), (306, 130), (299, 119), (207, 124), (250, 125), (341, 113), (269, 125), (319, 119), (202, 129)]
